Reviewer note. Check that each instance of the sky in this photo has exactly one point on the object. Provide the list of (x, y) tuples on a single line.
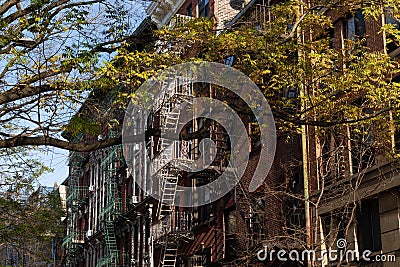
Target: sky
[(57, 159)]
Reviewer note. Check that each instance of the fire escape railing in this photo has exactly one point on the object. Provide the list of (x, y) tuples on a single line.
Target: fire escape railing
[(111, 211), (75, 198), (171, 155)]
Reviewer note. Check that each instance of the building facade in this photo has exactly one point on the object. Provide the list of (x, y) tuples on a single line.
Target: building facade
[(112, 221), (358, 199)]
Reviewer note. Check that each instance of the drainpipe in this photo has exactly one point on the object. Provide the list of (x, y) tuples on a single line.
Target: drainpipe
[(305, 182), (151, 236), (304, 145), (306, 185)]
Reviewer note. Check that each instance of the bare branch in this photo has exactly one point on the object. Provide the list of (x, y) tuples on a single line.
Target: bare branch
[(50, 141)]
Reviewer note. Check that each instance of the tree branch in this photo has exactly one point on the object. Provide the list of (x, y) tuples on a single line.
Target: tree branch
[(23, 91), (7, 5), (296, 25), (55, 142)]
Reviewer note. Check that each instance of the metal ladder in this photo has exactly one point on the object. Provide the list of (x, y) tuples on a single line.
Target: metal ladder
[(111, 244), (165, 209), (169, 176), (170, 182), (170, 254), (113, 209), (166, 146)]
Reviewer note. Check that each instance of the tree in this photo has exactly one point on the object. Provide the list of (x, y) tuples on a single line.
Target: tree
[(49, 50), (307, 80), (45, 80), (30, 215)]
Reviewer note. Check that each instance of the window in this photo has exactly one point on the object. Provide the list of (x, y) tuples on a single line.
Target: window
[(333, 162), (202, 213), (189, 10), (295, 207), (135, 241), (291, 93), (368, 225), (290, 100), (204, 8), (389, 19), (229, 61), (150, 122), (334, 226), (396, 125), (230, 222), (354, 27), (255, 225), (397, 135), (230, 232)]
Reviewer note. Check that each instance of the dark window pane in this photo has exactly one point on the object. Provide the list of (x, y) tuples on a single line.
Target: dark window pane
[(389, 19), (368, 225), (204, 8), (359, 23), (190, 10), (354, 27)]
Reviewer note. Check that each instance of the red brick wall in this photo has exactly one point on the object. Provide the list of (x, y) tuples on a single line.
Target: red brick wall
[(375, 40)]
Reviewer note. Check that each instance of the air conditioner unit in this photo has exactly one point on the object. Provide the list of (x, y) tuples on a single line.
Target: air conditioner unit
[(89, 233), (135, 199), (91, 188)]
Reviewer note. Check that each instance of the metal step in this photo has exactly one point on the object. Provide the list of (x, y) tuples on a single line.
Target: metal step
[(170, 254)]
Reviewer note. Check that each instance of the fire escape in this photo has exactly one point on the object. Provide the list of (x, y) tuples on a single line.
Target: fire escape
[(75, 199), (171, 156), (247, 207), (111, 165)]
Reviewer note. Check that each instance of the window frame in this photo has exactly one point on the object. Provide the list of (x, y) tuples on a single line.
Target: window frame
[(204, 8)]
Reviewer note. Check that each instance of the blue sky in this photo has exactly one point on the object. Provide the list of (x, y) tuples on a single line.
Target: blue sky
[(57, 159)]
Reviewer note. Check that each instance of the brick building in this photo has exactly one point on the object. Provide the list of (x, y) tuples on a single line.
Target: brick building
[(360, 202), (112, 222)]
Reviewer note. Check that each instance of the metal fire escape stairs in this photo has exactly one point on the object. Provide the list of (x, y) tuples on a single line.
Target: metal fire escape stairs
[(168, 166), (221, 139), (110, 164), (75, 198)]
